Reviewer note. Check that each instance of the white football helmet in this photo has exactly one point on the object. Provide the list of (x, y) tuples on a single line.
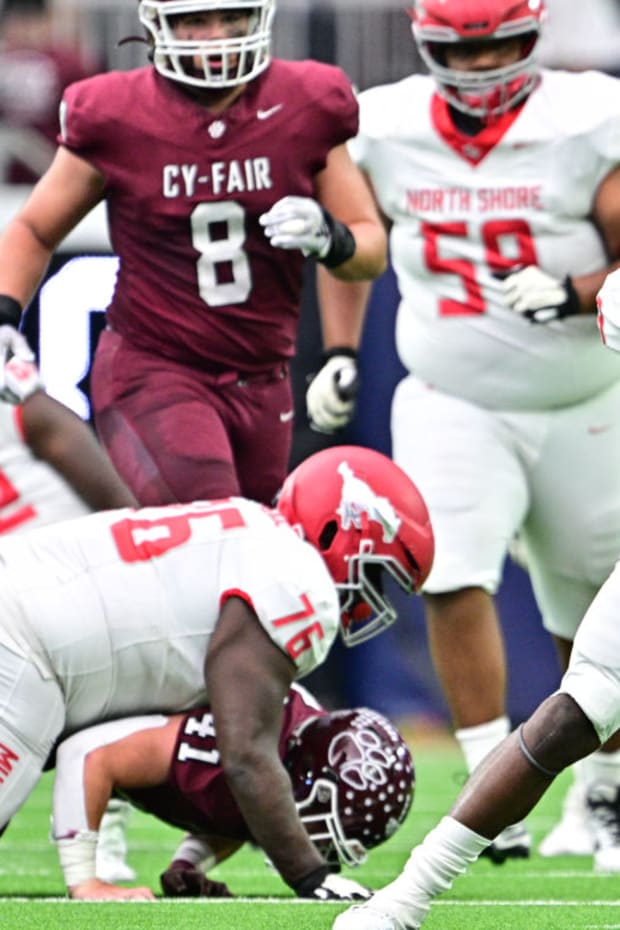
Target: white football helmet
[(224, 62), (484, 93)]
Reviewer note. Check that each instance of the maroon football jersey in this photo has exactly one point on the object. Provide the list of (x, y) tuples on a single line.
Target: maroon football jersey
[(199, 281), (196, 796)]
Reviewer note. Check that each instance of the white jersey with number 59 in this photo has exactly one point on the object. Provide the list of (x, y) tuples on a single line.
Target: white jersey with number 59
[(469, 209), (119, 607)]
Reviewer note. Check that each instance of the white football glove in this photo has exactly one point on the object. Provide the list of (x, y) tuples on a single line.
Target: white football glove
[(298, 223), (12, 342), (336, 888), (18, 380), (608, 303), (539, 296), (330, 398), (19, 376)]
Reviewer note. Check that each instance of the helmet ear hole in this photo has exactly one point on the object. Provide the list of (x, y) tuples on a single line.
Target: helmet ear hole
[(327, 535)]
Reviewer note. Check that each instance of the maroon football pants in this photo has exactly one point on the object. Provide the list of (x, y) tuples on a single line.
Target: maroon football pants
[(177, 434)]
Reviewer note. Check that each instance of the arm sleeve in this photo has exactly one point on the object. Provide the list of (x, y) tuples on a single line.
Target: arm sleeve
[(69, 799)]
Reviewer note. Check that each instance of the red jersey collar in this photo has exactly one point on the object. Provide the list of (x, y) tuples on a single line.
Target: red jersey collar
[(472, 148)]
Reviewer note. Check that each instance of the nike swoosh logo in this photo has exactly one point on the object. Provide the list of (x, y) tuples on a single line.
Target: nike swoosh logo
[(286, 416), (265, 114)]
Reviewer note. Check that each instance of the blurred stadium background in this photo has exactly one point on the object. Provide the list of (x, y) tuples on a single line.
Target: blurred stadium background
[(371, 41)]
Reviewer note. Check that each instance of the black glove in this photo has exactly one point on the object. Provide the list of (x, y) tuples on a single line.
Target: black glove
[(183, 880)]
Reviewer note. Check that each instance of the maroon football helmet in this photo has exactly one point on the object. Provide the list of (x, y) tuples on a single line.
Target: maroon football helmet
[(366, 517), (353, 781), (484, 93)]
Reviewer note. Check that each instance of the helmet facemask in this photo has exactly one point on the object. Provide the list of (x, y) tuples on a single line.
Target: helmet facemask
[(486, 94), (365, 608), (483, 94), (225, 62), (319, 815)]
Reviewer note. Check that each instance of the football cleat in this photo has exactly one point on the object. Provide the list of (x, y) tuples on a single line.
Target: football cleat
[(514, 842), (366, 917), (603, 801), (572, 835)]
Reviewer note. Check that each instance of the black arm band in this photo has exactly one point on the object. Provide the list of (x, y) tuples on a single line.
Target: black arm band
[(343, 242), (339, 350), (306, 885), (10, 311), (572, 304)]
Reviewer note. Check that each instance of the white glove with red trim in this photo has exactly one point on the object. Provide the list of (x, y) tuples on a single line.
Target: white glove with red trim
[(19, 379)]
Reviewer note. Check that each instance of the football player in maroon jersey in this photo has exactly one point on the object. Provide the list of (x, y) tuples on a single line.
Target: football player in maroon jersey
[(351, 772), (221, 168)]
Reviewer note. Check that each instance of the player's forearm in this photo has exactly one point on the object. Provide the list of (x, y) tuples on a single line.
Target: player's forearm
[(370, 257), (588, 286), (343, 309), (58, 436), (263, 793), (23, 261)]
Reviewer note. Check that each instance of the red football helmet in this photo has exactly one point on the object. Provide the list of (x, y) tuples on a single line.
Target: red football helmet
[(364, 515), (224, 62), (484, 93), (353, 781)]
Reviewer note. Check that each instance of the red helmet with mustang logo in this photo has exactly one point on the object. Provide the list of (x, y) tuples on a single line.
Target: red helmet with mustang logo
[(366, 517), (224, 62), (482, 93), (353, 781)]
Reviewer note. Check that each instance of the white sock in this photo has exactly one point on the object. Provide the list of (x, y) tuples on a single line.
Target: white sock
[(444, 854), (477, 742), (602, 767)]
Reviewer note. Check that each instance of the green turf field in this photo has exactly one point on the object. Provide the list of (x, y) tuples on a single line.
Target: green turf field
[(538, 894)]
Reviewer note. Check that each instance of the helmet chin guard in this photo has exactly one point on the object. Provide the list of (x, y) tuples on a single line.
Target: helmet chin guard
[(223, 62)]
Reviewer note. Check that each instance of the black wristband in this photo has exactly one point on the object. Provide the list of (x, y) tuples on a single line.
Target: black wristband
[(342, 245), (304, 887), (339, 350), (571, 305), (10, 311)]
